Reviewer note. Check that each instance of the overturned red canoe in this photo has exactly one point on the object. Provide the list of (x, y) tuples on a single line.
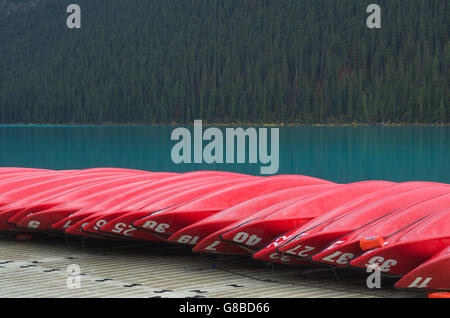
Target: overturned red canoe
[(318, 234), (124, 220), (213, 243), (196, 232), (89, 223), (18, 170), (100, 214), (63, 205), (121, 219), (11, 172), (27, 193), (433, 274), (408, 248), (322, 236), (186, 214), (378, 233), (37, 196), (265, 229), (15, 183), (24, 186), (131, 217)]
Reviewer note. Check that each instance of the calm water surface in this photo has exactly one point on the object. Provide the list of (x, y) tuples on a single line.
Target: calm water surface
[(341, 154)]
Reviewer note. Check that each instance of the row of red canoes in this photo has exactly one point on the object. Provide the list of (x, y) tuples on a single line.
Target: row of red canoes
[(403, 229)]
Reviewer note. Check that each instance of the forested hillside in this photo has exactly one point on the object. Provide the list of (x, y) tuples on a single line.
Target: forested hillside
[(224, 61)]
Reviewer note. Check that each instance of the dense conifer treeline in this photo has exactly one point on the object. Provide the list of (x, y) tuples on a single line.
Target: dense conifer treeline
[(224, 61)]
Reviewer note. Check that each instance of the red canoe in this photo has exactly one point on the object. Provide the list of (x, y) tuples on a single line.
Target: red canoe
[(22, 186), (174, 219), (434, 274), (126, 219), (410, 247), (18, 169), (35, 196), (119, 219), (61, 206), (378, 233), (317, 238), (22, 193), (131, 217), (213, 243), (24, 178), (11, 173), (316, 235), (196, 232), (265, 229), (16, 182), (133, 200)]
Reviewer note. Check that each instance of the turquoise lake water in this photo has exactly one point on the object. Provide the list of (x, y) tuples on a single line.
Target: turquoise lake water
[(340, 154)]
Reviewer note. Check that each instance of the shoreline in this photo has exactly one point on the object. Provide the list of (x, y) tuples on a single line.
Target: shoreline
[(225, 125)]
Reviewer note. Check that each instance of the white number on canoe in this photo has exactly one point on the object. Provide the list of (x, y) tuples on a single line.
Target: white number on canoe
[(246, 239), (342, 258), (99, 224), (187, 239), (420, 282), (67, 224), (299, 251), (123, 229), (384, 265), (152, 225), (278, 256), (34, 224), (212, 247)]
